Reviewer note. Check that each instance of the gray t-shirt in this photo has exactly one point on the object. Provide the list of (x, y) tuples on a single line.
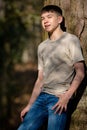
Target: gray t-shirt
[(56, 59)]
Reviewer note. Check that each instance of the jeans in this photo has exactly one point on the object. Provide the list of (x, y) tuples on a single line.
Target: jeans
[(40, 111)]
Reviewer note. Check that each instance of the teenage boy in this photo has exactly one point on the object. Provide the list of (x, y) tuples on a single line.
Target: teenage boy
[(60, 72)]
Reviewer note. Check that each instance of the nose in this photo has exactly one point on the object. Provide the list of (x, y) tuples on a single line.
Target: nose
[(45, 20)]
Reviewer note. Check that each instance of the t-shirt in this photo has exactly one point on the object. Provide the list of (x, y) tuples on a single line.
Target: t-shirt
[(56, 59)]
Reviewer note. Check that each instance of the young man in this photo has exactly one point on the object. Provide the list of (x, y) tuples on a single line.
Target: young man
[(60, 72)]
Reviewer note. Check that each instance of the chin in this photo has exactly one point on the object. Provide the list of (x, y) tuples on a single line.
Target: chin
[(48, 30)]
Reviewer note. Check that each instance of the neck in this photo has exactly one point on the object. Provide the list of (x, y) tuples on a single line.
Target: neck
[(55, 34)]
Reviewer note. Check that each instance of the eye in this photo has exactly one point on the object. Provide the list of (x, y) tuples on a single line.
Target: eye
[(42, 18), (50, 16)]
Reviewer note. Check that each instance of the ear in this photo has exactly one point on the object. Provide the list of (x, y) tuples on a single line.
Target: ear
[(60, 19)]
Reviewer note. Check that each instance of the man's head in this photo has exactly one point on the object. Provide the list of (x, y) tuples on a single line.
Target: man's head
[(52, 8), (51, 16)]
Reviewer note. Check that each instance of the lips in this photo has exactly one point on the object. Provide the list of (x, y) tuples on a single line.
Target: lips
[(46, 26)]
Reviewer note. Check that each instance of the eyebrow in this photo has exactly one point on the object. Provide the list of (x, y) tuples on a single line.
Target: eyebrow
[(47, 15)]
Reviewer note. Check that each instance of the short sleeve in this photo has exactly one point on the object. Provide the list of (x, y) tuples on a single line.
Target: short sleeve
[(75, 50)]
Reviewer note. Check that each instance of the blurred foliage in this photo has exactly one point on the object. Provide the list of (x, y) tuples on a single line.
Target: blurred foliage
[(16, 29)]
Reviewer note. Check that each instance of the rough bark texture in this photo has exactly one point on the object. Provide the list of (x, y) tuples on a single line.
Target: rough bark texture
[(75, 13)]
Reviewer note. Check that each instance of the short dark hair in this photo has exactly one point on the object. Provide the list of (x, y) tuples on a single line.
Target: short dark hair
[(55, 8)]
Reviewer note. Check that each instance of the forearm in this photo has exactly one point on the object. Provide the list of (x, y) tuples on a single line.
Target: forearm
[(76, 82), (36, 91)]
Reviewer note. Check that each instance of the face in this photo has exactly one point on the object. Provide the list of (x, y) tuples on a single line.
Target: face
[(50, 21)]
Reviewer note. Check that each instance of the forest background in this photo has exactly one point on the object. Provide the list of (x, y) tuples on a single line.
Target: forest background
[(20, 35)]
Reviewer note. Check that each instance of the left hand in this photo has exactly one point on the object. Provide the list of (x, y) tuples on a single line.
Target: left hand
[(61, 105)]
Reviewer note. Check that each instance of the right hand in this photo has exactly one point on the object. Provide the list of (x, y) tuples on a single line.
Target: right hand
[(24, 111)]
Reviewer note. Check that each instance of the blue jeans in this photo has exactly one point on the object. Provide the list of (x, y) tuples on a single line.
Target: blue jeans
[(40, 111)]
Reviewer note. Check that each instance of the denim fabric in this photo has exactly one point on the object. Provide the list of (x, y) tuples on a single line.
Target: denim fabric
[(42, 110)]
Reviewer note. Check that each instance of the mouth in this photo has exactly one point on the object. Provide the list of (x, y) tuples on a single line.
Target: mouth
[(47, 26)]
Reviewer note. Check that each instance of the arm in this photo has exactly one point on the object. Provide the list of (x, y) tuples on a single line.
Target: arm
[(35, 93), (64, 98), (79, 67)]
